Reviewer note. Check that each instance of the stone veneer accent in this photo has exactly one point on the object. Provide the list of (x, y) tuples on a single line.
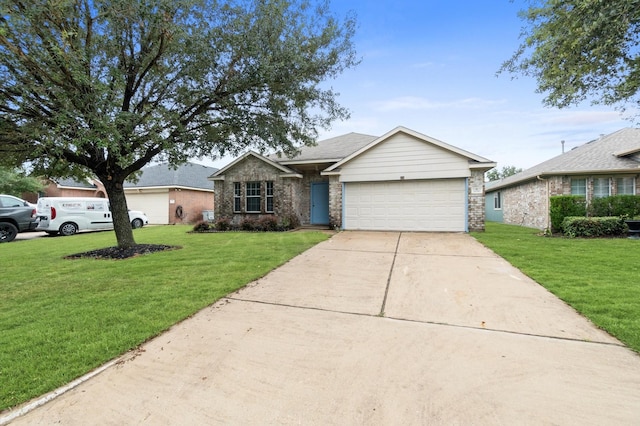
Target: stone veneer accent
[(288, 194), (476, 201), (335, 202)]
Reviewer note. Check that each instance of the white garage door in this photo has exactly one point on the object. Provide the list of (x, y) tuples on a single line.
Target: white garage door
[(429, 205), (155, 205)]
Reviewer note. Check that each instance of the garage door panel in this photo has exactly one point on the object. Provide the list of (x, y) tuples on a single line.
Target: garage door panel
[(154, 205), (434, 205)]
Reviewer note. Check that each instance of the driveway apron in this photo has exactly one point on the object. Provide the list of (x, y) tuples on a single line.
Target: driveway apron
[(375, 328)]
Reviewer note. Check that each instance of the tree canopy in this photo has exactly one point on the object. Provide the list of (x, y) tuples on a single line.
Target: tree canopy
[(495, 174), (15, 182), (581, 50), (105, 87)]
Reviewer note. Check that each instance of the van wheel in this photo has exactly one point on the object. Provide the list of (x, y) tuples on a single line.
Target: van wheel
[(8, 232), (68, 228), (136, 223)]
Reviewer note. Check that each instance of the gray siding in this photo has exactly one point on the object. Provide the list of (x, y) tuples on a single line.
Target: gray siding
[(404, 157)]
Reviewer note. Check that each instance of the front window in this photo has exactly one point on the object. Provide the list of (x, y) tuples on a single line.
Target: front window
[(269, 197), (497, 201), (626, 186), (253, 197), (601, 187), (237, 197), (579, 187)]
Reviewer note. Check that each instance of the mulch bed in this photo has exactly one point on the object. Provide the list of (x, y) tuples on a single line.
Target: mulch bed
[(122, 253)]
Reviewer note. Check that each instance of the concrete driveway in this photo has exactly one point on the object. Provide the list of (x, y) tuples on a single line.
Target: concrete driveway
[(376, 329)]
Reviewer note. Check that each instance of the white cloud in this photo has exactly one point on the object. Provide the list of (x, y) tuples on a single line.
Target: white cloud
[(419, 103)]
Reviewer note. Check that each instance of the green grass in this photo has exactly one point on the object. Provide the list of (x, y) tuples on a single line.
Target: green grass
[(61, 318), (600, 277)]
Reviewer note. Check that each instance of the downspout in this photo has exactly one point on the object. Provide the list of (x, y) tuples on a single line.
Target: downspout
[(547, 227)]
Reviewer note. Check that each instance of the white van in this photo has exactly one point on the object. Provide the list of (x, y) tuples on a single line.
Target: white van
[(68, 215)]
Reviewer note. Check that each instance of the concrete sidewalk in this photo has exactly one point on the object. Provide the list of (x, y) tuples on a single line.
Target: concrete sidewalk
[(377, 329)]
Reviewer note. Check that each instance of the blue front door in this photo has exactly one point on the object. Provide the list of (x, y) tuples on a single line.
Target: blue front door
[(320, 203)]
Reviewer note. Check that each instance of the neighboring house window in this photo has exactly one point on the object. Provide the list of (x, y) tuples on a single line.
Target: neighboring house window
[(601, 187), (626, 186), (269, 197), (253, 197), (579, 187), (497, 201), (237, 197)]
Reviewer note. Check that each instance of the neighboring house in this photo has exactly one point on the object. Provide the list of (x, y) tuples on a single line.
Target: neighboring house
[(165, 195), (403, 181), (170, 196), (606, 166), (70, 188)]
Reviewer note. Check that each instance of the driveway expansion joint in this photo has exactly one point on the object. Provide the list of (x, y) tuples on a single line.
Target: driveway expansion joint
[(436, 323)]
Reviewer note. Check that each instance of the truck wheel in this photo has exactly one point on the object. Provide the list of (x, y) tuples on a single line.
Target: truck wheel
[(136, 223), (68, 228), (8, 232)]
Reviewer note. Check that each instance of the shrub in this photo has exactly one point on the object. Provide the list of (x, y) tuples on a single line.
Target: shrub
[(268, 223), (616, 205), (593, 226), (249, 224), (289, 222), (202, 226), (562, 206), (223, 224)]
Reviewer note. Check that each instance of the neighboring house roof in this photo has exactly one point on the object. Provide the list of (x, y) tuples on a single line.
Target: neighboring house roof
[(188, 175), (614, 153), (474, 160), (73, 183)]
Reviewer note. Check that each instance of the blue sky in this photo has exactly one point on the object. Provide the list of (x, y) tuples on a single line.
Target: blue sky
[(430, 65)]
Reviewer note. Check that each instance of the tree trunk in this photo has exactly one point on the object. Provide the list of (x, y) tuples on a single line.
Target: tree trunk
[(119, 212)]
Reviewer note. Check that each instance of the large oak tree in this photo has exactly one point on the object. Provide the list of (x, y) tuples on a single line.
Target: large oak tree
[(103, 87), (581, 50)]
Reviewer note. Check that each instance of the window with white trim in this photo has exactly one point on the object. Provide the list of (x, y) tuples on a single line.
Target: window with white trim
[(601, 187), (252, 197), (268, 197), (237, 197), (579, 186), (497, 201), (626, 186)]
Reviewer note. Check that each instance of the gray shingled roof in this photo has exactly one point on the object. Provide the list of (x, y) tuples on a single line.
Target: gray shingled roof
[(188, 175), (74, 183), (610, 153), (333, 149)]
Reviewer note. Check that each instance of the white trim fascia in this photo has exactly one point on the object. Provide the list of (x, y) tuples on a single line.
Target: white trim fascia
[(480, 166), (305, 162), (627, 152)]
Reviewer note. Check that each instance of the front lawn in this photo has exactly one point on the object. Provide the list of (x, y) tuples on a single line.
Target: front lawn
[(599, 277), (61, 318)]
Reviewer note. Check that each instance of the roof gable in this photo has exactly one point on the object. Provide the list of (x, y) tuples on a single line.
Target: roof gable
[(286, 171), (481, 162), (608, 154)]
